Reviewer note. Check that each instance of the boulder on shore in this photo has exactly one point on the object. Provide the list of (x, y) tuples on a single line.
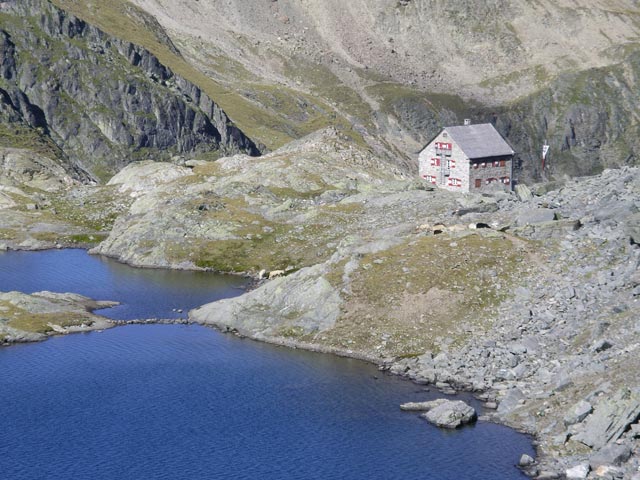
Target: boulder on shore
[(451, 414)]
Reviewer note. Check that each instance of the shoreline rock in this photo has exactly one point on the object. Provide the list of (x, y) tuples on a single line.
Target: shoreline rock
[(450, 414), (36, 317)]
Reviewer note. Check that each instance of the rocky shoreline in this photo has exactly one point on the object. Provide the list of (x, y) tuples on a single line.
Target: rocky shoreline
[(529, 300), (560, 357)]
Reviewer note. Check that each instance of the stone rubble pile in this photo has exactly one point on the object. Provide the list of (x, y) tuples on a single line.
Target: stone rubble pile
[(562, 359)]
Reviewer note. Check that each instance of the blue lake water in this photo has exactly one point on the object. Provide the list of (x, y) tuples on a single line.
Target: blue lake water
[(187, 402), (143, 292)]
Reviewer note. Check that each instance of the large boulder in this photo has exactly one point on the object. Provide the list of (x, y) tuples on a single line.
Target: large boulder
[(611, 418), (578, 413), (632, 226), (612, 454), (577, 472), (532, 216), (450, 414)]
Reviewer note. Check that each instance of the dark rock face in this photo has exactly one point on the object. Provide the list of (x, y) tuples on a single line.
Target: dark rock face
[(586, 118), (103, 101)]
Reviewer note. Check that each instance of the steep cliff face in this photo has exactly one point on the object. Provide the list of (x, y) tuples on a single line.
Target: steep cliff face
[(102, 101)]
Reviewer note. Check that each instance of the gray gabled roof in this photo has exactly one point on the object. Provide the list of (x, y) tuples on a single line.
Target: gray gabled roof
[(479, 141)]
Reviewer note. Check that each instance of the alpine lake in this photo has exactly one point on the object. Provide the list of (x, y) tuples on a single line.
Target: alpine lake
[(176, 401)]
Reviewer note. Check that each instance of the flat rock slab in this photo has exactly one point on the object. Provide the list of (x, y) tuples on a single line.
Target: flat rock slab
[(611, 418), (531, 216), (450, 414), (422, 406), (610, 455)]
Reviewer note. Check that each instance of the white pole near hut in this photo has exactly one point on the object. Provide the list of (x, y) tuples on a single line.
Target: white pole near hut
[(545, 150)]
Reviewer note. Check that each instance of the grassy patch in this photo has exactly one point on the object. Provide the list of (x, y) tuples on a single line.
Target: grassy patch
[(96, 211), (291, 332), (16, 135), (27, 321), (239, 239), (410, 298)]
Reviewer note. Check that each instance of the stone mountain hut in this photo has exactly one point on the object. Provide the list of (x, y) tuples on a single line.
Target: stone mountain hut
[(468, 158)]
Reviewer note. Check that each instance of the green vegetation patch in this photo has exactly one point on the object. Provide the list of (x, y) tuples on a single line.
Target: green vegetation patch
[(412, 297), (17, 135), (245, 241), (96, 211), (27, 321), (391, 95)]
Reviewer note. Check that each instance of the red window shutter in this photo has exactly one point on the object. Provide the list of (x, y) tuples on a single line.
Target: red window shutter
[(503, 163), (453, 163), (478, 182)]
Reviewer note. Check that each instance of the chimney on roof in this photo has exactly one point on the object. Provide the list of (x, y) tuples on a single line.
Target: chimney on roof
[(467, 122)]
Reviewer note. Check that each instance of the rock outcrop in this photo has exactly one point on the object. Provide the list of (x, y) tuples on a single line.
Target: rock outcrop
[(102, 101), (30, 318), (611, 419), (450, 414)]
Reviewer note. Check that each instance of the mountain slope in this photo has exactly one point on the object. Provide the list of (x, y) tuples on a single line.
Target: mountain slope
[(391, 73), (101, 101)]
